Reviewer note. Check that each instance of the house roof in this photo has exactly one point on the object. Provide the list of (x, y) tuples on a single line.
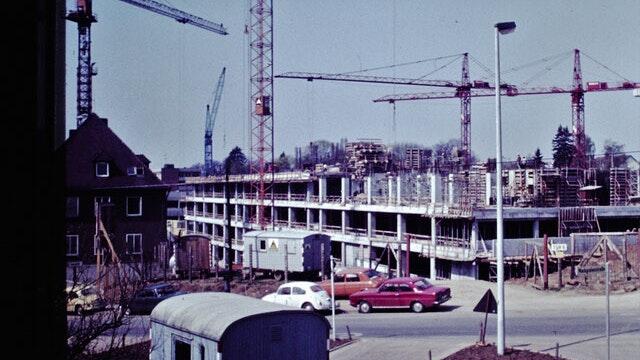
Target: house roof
[(210, 314), (94, 141)]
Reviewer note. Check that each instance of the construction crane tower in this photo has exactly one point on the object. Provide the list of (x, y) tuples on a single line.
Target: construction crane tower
[(260, 31), (84, 17), (210, 121)]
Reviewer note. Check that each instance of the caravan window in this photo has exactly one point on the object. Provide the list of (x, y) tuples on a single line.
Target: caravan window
[(263, 245), (181, 350)]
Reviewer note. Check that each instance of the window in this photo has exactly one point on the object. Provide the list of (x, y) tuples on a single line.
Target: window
[(72, 245), (298, 291), (134, 243), (404, 288), (263, 245), (73, 206), (389, 288), (338, 278), (316, 288), (284, 291), (181, 350), (102, 199), (422, 284), (352, 278), (134, 205), (102, 169), (135, 171)]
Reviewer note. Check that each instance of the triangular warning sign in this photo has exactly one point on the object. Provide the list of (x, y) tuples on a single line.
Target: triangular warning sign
[(487, 304), (258, 101)]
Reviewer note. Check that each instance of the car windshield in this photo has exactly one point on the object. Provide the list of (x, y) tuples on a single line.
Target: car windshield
[(421, 284), (166, 290), (372, 273), (316, 288)]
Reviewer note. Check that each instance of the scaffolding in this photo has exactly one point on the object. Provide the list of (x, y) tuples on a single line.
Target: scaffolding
[(623, 186)]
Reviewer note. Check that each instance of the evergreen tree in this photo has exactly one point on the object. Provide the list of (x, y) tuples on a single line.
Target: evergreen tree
[(236, 162), (537, 159), (563, 147)]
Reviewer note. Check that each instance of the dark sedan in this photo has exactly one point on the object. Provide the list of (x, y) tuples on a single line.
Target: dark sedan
[(415, 293), (146, 299)]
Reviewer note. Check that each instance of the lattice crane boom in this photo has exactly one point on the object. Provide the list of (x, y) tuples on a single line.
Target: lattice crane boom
[(210, 121), (179, 15)]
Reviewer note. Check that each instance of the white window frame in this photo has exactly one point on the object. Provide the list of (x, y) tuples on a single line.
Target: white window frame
[(135, 171), (77, 199), (77, 241), (98, 173), (139, 205), (133, 238), (102, 199)]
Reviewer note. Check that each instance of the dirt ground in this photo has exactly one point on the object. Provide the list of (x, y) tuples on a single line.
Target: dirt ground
[(257, 288), (480, 352)]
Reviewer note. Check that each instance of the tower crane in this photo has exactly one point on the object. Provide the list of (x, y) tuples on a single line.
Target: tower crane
[(462, 88), (210, 121), (84, 17), (577, 91)]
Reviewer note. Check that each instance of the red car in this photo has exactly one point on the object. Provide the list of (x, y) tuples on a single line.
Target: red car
[(415, 293)]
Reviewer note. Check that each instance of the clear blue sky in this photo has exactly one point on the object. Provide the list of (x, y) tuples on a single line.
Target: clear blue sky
[(156, 75)]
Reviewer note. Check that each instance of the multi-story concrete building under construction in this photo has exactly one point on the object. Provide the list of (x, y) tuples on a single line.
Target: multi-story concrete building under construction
[(436, 225)]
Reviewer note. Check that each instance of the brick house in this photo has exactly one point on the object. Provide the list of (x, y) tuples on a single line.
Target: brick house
[(101, 169)]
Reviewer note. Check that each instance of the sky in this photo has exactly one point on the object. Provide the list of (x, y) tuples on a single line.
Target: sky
[(155, 75)]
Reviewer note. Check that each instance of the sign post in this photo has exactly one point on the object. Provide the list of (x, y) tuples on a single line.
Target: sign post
[(487, 304)]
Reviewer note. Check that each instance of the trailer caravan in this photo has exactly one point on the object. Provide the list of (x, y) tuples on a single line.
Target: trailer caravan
[(218, 325), (271, 253)]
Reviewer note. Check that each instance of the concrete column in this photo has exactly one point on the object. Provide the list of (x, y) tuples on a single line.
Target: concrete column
[(536, 228), (214, 213), (398, 190), (290, 216), (368, 189), (289, 191), (236, 232), (244, 214), (322, 219), (343, 253), (475, 230), (322, 189), (309, 191), (418, 188), (371, 224), (344, 189), (390, 188), (450, 190), (487, 195), (309, 219), (432, 258), (434, 186), (401, 228), (345, 221)]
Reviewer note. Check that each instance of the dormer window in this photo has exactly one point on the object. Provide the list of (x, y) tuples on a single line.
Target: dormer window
[(135, 171), (102, 169)]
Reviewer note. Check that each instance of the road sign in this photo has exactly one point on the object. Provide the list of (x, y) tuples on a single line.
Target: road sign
[(590, 269), (487, 303)]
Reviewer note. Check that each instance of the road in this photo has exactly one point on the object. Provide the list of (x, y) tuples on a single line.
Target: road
[(535, 320)]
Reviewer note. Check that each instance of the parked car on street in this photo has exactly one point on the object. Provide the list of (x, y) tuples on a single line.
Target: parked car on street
[(415, 293), (349, 280), (146, 299), (302, 295), (82, 299)]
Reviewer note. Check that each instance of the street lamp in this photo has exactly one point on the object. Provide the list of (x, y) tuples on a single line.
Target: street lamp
[(501, 28)]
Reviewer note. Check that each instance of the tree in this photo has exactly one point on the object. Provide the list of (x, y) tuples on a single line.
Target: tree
[(283, 163), (236, 161), (537, 159), (614, 154), (563, 147)]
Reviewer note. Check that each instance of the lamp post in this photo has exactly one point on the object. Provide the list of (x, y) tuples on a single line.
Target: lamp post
[(501, 28)]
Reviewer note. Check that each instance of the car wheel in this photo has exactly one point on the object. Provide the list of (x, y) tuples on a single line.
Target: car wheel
[(417, 307), (364, 307), (308, 307), (78, 310), (278, 275)]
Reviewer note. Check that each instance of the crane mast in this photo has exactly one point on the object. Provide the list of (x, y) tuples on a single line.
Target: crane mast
[(83, 16), (210, 121)]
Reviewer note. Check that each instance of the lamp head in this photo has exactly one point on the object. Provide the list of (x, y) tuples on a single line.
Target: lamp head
[(506, 27)]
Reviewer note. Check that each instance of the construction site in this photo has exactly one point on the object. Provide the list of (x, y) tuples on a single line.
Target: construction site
[(413, 212)]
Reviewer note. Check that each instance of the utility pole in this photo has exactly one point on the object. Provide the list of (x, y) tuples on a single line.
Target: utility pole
[(227, 278)]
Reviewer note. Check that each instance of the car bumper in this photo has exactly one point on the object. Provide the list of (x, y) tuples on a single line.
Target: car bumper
[(327, 306), (442, 300)]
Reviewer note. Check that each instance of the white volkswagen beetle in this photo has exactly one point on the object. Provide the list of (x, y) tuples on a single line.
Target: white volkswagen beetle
[(302, 295)]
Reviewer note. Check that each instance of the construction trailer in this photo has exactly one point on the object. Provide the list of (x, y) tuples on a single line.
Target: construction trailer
[(219, 325), (272, 253), (193, 256)]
